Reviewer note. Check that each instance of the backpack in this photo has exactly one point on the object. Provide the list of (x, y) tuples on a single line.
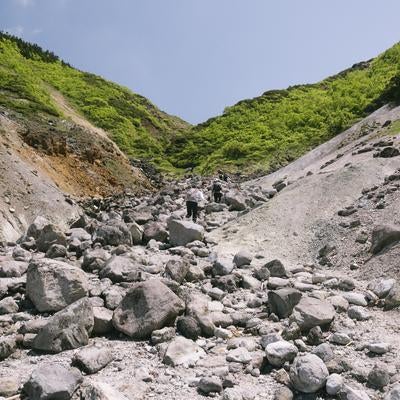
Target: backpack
[(216, 187)]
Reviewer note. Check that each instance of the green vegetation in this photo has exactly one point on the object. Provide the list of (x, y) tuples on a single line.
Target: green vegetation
[(269, 131), (393, 129), (137, 126), (259, 134)]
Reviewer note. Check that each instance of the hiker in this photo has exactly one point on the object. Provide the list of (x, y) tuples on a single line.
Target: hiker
[(216, 191), (223, 176), (193, 197)]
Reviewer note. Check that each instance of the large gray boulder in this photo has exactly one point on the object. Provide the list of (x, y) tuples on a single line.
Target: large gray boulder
[(384, 236), (310, 312), (156, 231), (308, 373), (243, 257), (113, 232), (183, 232), (92, 359), (235, 201), (102, 320), (198, 308), (12, 268), (48, 236), (51, 285), (121, 269), (8, 345), (282, 301), (177, 270), (52, 381), (222, 267), (381, 287), (148, 306), (276, 269), (278, 353), (94, 259), (393, 298), (358, 313), (68, 329)]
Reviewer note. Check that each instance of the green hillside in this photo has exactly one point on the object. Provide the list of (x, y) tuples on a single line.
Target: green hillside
[(27, 74), (269, 131), (259, 134)]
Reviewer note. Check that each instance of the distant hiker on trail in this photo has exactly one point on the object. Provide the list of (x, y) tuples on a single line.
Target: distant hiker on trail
[(193, 197), (216, 191), (223, 176)]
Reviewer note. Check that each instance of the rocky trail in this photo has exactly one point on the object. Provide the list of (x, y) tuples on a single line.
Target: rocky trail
[(289, 288)]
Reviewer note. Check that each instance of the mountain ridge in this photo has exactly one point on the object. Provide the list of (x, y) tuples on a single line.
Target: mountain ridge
[(272, 129), (257, 135)]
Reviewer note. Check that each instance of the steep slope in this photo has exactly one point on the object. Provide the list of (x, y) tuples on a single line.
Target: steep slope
[(48, 147), (269, 131), (303, 217), (25, 190), (28, 73)]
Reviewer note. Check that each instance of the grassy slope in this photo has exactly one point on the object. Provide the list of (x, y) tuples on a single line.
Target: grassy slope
[(263, 133), (137, 126), (267, 132)]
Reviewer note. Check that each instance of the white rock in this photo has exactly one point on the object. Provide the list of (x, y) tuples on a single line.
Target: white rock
[(334, 384), (182, 351)]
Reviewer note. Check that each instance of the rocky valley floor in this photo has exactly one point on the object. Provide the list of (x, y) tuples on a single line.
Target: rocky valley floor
[(289, 288)]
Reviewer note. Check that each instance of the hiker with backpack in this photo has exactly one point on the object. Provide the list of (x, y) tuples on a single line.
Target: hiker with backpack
[(193, 197), (216, 191)]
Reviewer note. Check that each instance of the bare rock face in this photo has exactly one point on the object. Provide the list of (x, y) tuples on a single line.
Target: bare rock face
[(183, 232), (68, 329), (384, 236), (52, 285), (147, 307), (312, 312), (52, 381)]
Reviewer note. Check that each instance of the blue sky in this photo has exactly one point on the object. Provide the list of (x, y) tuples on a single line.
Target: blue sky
[(192, 58)]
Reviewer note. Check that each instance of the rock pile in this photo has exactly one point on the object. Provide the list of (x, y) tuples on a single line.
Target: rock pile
[(134, 278)]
